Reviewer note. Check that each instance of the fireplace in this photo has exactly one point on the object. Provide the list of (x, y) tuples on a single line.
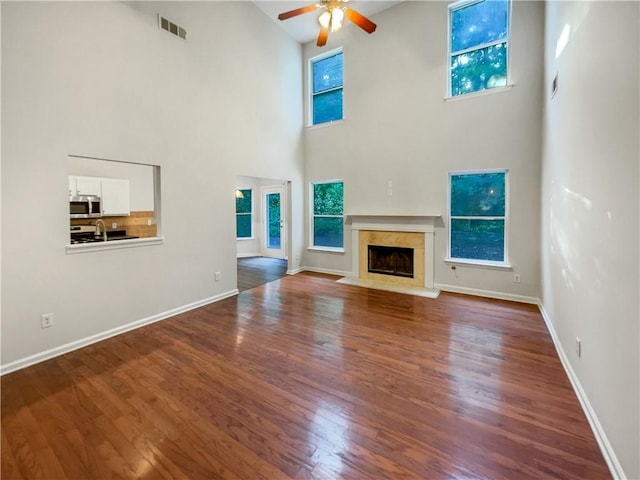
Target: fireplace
[(403, 253), (396, 261)]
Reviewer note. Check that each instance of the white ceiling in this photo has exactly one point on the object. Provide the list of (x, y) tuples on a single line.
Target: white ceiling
[(304, 28)]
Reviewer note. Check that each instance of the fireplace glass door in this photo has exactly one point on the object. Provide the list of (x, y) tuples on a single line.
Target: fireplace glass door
[(396, 261)]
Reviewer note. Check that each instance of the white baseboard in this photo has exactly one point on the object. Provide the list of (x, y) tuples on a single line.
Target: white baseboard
[(328, 271), (69, 347), (603, 442), (247, 255), (295, 270), (487, 293)]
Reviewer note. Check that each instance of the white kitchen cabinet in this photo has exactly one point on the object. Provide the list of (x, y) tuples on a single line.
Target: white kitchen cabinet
[(85, 186), (115, 196)]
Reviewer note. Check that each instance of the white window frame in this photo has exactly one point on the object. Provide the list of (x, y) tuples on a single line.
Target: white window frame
[(252, 237), (311, 94), (469, 261), (312, 217), (466, 3)]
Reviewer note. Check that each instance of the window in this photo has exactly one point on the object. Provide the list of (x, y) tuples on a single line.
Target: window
[(244, 213), (479, 34), (478, 216), (328, 204), (326, 88)]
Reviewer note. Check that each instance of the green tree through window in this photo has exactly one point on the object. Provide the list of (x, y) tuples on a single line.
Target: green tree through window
[(477, 216), (244, 213), (328, 209), (479, 33), (273, 218)]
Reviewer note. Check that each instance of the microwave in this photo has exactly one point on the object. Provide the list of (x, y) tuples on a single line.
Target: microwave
[(86, 206)]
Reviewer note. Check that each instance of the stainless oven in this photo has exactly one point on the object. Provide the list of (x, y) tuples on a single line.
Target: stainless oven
[(86, 206)]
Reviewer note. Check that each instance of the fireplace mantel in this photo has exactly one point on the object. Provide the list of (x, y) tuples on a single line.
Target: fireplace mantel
[(394, 223)]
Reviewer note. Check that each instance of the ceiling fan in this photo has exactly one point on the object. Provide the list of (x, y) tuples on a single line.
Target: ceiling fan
[(332, 18)]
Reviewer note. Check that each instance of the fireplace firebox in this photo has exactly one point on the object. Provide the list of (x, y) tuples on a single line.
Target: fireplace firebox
[(396, 261)]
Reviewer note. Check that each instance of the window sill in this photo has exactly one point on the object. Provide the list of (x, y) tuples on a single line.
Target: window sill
[(480, 93), (326, 249), (114, 245), (478, 263), (325, 124), (245, 238)]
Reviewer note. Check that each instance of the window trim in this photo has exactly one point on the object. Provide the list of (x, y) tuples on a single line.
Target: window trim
[(252, 236), (311, 93), (312, 217), (504, 264), (480, 93), (507, 40)]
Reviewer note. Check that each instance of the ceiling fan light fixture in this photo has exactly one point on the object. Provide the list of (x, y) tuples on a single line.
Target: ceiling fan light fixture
[(325, 19), (337, 16), (332, 18)]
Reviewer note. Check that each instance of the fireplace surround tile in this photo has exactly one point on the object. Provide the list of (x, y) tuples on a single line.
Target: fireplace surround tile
[(414, 240), (412, 231)]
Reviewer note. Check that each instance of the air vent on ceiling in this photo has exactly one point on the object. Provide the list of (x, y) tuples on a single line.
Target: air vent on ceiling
[(171, 27)]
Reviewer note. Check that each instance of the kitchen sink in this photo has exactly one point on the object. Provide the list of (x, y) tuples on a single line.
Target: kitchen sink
[(86, 237)]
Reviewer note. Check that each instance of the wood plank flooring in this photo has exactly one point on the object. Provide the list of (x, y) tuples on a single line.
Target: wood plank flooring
[(254, 271), (305, 378)]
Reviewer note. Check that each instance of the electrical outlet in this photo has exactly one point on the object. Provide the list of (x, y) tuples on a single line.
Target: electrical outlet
[(578, 347), (114, 225), (46, 320), (148, 222), (217, 276), (516, 278)]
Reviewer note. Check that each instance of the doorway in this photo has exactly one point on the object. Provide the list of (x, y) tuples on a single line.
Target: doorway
[(254, 271), (262, 226), (274, 226)]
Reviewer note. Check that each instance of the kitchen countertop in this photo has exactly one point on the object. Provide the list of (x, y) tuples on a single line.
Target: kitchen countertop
[(97, 246)]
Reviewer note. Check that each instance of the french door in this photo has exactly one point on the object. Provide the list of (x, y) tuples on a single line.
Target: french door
[(274, 224)]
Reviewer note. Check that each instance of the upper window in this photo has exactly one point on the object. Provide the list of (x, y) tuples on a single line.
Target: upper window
[(478, 216), (244, 213), (479, 35), (328, 210), (326, 88)]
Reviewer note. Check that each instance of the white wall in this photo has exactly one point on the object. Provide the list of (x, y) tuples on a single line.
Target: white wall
[(100, 79), (398, 127), (590, 205)]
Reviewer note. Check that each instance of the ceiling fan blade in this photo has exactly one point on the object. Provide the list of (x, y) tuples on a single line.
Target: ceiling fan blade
[(297, 11), (360, 20), (322, 37)]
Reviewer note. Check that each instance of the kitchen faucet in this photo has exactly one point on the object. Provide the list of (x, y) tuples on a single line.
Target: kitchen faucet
[(104, 228)]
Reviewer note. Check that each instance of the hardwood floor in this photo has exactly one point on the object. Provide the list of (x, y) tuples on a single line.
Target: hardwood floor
[(254, 271), (306, 378)]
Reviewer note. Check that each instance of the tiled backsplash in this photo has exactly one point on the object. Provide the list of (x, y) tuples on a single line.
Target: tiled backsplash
[(136, 224)]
